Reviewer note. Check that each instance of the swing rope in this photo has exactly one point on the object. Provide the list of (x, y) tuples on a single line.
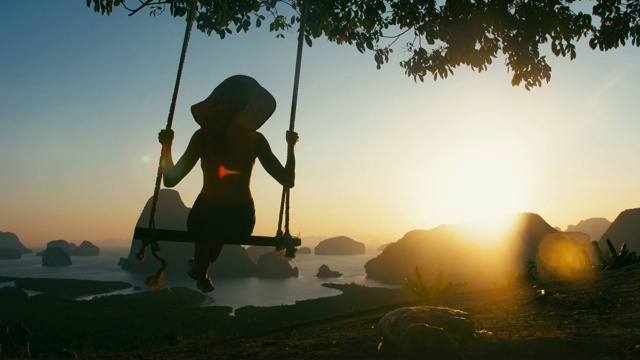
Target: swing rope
[(285, 199), (151, 240), (289, 243)]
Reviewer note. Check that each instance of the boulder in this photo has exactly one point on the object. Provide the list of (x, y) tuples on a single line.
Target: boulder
[(10, 254), (340, 245), (55, 257), (427, 332), (86, 248), (9, 240), (325, 272), (275, 265)]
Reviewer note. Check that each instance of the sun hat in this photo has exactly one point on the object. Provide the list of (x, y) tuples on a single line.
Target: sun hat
[(240, 98)]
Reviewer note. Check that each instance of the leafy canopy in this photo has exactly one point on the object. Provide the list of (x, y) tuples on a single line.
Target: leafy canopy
[(436, 36)]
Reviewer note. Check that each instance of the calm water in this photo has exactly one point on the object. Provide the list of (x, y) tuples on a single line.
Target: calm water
[(229, 292)]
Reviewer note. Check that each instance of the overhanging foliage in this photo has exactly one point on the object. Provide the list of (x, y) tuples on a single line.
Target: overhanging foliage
[(436, 36)]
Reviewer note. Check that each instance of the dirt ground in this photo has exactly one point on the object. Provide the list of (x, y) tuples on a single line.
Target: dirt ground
[(592, 317)]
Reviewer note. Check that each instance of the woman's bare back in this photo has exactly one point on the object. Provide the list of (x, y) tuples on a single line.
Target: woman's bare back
[(227, 172), (226, 178)]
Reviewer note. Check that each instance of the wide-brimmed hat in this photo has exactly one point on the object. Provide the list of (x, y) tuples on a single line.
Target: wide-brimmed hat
[(240, 98)]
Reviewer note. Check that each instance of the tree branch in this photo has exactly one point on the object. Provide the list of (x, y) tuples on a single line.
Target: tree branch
[(143, 5)]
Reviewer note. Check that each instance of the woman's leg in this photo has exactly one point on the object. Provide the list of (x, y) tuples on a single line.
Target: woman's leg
[(205, 253), (201, 250), (200, 266), (214, 251)]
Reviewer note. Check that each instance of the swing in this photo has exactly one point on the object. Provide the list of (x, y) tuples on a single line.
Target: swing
[(283, 240)]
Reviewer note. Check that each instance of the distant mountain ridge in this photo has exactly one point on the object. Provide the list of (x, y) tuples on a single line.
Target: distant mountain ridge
[(464, 254), (594, 227)]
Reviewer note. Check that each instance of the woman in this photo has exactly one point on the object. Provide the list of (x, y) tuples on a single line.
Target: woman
[(227, 145)]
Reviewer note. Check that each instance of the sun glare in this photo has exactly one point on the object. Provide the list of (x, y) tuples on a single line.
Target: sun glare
[(486, 183)]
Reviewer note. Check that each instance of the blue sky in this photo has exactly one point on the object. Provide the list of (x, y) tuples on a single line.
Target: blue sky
[(82, 97)]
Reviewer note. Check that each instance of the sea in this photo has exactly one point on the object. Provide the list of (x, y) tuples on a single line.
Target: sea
[(234, 293)]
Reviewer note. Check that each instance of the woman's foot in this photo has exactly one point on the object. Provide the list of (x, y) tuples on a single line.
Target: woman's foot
[(205, 285)]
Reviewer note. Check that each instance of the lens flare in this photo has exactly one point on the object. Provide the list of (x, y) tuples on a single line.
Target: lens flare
[(562, 256), (556, 251), (145, 158), (223, 171)]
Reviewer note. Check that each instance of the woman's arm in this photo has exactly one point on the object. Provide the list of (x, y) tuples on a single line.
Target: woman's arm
[(284, 175), (174, 173)]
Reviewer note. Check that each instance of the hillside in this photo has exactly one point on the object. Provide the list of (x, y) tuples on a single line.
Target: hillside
[(593, 317), (624, 229), (469, 253)]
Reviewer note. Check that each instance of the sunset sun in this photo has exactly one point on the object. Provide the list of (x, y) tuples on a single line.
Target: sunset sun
[(486, 183)]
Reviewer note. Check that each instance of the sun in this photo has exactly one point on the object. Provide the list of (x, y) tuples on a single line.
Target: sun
[(485, 182)]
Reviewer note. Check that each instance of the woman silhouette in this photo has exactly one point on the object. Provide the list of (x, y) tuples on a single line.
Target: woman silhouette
[(227, 145)]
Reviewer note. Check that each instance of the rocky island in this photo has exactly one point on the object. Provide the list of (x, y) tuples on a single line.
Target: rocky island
[(10, 241), (340, 245)]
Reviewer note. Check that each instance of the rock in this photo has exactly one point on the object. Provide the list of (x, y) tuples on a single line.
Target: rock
[(234, 261), (304, 250), (55, 256), (72, 249), (171, 214), (62, 244), (325, 272), (275, 265), (340, 245), (10, 254), (256, 251), (9, 240), (383, 246), (86, 248), (427, 332)]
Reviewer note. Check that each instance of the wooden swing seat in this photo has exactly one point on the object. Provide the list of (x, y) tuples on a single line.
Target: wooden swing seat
[(184, 237)]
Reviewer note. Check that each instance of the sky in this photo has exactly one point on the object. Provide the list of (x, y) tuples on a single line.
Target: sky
[(83, 96)]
